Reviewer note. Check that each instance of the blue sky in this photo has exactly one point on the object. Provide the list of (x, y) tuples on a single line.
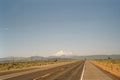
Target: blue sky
[(43, 27)]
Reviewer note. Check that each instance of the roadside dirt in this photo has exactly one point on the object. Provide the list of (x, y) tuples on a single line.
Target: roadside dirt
[(112, 71)]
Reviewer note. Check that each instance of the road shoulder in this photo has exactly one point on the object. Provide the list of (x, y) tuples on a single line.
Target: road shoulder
[(93, 73)]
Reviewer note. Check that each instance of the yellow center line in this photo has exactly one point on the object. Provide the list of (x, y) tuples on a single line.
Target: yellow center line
[(48, 74)]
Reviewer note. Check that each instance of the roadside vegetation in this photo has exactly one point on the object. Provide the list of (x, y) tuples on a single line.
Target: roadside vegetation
[(110, 65), (9, 65)]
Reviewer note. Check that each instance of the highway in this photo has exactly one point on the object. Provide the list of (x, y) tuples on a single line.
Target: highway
[(79, 70)]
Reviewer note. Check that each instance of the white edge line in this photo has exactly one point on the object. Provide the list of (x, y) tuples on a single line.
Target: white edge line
[(83, 72)]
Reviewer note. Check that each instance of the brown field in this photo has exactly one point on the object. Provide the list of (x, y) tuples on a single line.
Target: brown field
[(10, 65), (110, 65)]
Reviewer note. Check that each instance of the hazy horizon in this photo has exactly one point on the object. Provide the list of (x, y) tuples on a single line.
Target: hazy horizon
[(47, 27)]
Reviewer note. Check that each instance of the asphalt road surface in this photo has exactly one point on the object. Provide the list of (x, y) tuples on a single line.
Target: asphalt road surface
[(79, 70)]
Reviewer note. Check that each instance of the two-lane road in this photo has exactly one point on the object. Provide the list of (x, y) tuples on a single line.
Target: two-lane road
[(66, 72)]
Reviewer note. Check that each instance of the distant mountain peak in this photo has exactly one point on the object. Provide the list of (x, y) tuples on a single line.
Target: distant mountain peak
[(63, 53)]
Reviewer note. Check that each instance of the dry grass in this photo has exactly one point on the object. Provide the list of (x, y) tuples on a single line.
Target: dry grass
[(110, 65), (9, 65)]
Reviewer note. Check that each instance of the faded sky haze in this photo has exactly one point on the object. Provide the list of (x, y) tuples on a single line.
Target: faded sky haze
[(44, 27)]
